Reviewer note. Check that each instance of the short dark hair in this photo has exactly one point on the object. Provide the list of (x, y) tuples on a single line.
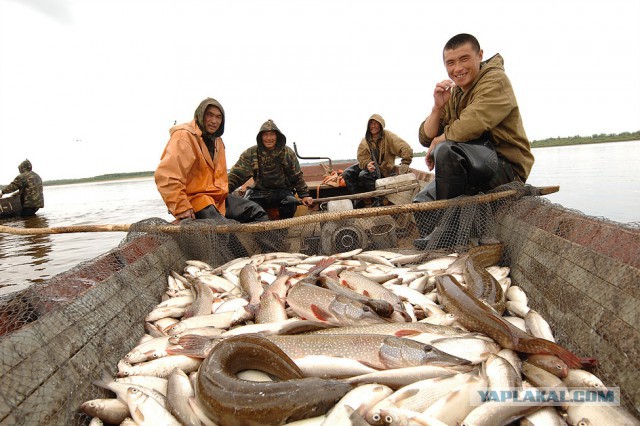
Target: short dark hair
[(460, 39)]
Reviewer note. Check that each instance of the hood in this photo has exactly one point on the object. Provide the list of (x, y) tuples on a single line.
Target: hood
[(199, 116), (25, 166), (379, 119), (269, 125), (493, 63)]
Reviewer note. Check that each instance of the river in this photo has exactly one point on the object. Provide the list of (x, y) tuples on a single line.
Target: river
[(599, 180)]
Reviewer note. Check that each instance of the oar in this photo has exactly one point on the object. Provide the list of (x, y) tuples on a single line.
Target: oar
[(284, 223)]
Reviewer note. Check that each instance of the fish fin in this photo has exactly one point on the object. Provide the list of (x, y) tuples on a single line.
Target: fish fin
[(406, 333), (320, 313), (321, 266), (588, 362), (333, 275), (345, 284)]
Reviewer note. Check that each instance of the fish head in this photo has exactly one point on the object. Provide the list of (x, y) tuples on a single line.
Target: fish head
[(398, 352), (351, 312)]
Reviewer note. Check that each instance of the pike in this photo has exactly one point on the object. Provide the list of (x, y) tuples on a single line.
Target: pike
[(482, 285), (331, 282), (376, 351), (325, 306), (476, 316), (372, 289)]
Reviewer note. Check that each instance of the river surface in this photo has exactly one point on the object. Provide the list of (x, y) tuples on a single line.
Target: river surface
[(599, 180)]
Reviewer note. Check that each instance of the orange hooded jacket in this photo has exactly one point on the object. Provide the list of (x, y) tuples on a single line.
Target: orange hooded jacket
[(187, 176)]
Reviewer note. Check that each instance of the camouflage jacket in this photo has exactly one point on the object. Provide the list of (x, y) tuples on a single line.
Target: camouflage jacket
[(30, 186), (270, 169)]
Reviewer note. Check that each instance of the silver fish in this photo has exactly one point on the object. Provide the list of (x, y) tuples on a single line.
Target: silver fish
[(146, 411)]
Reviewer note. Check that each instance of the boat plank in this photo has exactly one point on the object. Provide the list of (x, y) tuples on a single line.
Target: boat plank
[(589, 315), (106, 320), (596, 275)]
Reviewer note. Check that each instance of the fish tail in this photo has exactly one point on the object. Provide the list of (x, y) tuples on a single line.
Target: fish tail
[(191, 345), (548, 347), (588, 362)]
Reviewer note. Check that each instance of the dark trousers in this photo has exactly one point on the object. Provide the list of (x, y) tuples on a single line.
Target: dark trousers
[(359, 180), (237, 208), (283, 199), (461, 169), (466, 169)]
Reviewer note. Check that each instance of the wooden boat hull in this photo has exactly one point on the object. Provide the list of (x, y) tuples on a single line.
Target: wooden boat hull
[(86, 322), (10, 206)]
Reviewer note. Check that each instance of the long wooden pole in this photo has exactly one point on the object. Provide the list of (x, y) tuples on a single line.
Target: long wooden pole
[(280, 224)]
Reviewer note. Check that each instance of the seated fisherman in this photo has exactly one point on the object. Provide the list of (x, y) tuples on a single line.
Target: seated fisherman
[(377, 155), (275, 170), (29, 185), (474, 132)]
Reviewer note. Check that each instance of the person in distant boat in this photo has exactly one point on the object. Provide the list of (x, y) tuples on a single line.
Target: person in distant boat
[(376, 157), (474, 132), (29, 184), (192, 174), (276, 173)]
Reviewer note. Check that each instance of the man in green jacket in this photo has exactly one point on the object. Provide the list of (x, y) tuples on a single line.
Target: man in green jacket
[(377, 155), (474, 133), (29, 184), (276, 173)]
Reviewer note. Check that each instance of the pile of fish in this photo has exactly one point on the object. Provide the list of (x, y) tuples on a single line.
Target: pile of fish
[(356, 338)]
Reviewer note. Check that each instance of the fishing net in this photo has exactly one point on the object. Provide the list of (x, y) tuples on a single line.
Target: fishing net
[(580, 273)]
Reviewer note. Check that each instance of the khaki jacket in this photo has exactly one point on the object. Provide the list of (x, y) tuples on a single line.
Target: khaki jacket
[(187, 177), (489, 106), (389, 147)]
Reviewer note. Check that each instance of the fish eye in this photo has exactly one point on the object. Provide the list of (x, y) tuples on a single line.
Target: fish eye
[(427, 348), (366, 308)]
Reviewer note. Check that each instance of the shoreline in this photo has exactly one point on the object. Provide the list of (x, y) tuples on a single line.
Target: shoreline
[(572, 141)]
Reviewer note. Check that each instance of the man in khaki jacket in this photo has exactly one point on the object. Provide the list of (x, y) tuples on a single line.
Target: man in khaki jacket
[(474, 132), (377, 155)]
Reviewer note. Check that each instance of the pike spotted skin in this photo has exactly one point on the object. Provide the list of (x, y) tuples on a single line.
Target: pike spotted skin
[(476, 316), (231, 401), (483, 285)]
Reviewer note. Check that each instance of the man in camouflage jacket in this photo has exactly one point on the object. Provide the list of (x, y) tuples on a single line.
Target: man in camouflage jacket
[(29, 184), (275, 170)]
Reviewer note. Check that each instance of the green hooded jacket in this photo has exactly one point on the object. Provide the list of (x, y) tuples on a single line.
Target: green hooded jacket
[(275, 169), (29, 184)]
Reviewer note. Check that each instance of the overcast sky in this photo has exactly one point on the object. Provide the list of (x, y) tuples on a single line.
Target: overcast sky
[(89, 87)]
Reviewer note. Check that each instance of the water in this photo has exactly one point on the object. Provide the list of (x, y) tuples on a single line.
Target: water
[(599, 180)]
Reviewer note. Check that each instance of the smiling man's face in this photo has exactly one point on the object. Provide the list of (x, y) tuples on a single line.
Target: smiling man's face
[(463, 65)]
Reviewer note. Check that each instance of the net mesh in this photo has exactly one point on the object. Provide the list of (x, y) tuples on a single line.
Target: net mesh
[(580, 273)]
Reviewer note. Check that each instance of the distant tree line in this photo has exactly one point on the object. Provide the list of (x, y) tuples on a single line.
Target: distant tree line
[(101, 178), (579, 140)]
